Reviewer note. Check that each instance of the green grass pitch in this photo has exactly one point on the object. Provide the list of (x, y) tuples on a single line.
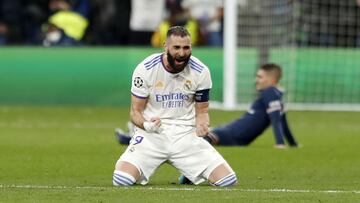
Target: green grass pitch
[(67, 154)]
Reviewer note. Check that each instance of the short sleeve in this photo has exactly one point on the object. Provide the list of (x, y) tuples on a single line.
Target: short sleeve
[(205, 81), (139, 83)]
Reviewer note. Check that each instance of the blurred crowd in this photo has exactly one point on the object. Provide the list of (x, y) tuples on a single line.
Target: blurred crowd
[(107, 22), (145, 22)]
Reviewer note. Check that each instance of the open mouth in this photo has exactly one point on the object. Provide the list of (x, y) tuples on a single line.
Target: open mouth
[(179, 61)]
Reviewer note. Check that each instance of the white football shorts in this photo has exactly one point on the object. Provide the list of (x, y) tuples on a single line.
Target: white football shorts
[(178, 145)]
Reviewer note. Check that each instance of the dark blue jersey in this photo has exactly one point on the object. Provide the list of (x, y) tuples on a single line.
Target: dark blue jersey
[(267, 109)]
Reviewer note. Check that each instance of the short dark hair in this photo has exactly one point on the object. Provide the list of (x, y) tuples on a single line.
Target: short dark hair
[(177, 31), (273, 69)]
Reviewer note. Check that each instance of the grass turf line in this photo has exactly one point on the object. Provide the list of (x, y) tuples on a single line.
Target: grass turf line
[(75, 147)]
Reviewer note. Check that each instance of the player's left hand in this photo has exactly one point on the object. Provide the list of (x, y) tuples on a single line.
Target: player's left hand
[(202, 130)]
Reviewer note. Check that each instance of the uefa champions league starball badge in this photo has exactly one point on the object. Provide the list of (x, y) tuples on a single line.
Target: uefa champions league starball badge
[(138, 82)]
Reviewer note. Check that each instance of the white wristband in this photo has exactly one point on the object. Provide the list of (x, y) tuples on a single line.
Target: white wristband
[(149, 127)]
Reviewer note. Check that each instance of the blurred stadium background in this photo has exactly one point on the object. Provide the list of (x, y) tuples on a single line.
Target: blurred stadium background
[(315, 41), (59, 102)]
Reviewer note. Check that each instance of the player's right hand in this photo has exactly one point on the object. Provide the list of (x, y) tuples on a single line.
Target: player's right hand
[(153, 126)]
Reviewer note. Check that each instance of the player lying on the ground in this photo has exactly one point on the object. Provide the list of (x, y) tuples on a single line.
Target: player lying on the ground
[(169, 108), (267, 109)]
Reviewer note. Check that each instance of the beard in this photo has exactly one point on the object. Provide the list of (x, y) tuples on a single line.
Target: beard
[(177, 68)]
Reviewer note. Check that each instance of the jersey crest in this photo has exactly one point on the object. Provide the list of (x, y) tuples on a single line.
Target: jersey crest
[(187, 85)]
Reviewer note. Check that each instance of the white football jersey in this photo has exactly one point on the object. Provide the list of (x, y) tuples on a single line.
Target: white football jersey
[(171, 97)]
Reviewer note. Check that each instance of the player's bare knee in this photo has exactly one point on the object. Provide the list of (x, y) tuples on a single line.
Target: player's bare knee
[(223, 175), (125, 174)]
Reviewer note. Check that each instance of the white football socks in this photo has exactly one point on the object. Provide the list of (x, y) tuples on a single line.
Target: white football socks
[(227, 180), (123, 179)]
